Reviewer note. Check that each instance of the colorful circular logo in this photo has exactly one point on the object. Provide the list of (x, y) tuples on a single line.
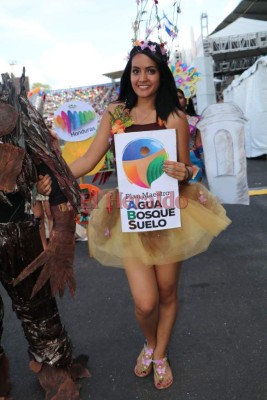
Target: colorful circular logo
[(142, 161)]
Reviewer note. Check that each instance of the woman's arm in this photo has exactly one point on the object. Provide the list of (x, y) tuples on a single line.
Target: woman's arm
[(179, 170), (97, 150), (197, 141)]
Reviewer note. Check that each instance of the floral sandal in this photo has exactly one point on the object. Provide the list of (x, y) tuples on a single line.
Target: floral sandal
[(162, 373), (144, 362)]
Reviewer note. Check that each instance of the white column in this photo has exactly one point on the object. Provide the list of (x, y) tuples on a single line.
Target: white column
[(206, 94)]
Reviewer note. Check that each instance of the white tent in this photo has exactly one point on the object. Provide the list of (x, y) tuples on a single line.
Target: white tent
[(241, 26), (249, 92)]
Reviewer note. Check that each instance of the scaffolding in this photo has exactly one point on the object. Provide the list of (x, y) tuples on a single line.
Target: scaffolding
[(235, 43), (233, 67), (205, 34), (234, 54)]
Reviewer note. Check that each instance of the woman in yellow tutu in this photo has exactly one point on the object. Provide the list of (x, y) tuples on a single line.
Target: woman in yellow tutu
[(152, 260)]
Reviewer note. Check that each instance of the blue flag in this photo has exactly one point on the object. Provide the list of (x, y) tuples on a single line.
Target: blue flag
[(168, 25)]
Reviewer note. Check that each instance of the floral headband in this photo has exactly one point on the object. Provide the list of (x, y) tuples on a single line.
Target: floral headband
[(146, 46)]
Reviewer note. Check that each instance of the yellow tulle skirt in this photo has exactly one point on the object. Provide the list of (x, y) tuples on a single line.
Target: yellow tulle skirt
[(202, 219)]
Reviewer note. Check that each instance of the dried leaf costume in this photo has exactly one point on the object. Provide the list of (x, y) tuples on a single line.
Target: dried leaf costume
[(26, 150)]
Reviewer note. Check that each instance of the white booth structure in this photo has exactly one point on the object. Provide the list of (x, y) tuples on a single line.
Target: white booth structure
[(222, 133), (249, 92)]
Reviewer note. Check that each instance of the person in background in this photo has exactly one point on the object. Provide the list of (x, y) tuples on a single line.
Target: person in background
[(196, 148), (152, 260)]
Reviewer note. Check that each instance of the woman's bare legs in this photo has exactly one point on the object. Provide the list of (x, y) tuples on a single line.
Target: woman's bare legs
[(167, 280), (143, 285), (144, 289), (156, 303)]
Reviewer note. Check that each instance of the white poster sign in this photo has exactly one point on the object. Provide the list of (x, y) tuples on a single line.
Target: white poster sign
[(75, 121), (149, 198)]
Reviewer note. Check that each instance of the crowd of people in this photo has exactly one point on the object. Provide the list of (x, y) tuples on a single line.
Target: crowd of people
[(98, 96)]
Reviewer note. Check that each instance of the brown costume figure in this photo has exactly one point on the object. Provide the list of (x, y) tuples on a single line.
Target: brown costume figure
[(26, 150)]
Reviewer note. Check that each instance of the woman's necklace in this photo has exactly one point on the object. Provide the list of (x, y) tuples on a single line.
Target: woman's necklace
[(138, 120)]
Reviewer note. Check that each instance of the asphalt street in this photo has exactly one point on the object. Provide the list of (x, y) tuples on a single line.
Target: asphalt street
[(218, 350)]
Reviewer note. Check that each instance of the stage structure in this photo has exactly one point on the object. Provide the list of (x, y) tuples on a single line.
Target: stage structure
[(237, 47)]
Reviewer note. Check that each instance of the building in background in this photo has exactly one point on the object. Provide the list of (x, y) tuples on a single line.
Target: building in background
[(233, 47)]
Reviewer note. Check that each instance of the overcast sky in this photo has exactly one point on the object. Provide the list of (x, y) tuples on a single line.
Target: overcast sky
[(69, 43)]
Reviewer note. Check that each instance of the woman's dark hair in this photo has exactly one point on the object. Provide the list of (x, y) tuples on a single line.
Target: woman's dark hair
[(166, 100), (190, 109)]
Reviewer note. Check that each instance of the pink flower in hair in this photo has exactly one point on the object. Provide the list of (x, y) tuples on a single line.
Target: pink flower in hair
[(152, 48), (144, 44), (162, 49)]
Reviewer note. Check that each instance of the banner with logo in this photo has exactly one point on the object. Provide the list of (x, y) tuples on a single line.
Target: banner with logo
[(149, 198), (75, 121)]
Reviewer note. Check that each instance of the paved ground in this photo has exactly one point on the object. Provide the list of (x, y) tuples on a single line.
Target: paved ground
[(218, 350)]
